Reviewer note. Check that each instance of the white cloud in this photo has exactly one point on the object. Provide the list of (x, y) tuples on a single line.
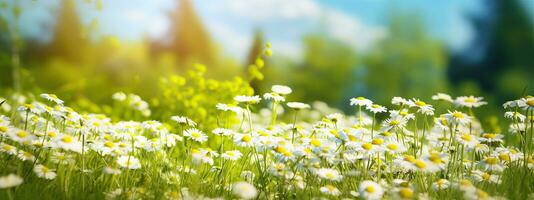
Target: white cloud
[(232, 22)]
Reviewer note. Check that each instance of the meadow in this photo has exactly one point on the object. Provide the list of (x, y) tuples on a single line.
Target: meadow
[(262, 147)]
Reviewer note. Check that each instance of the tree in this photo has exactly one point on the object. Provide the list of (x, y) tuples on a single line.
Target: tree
[(69, 40), (499, 58), (189, 41), (408, 63)]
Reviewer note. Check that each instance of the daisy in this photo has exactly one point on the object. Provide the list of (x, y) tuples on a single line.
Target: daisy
[(68, 142), (441, 184), (393, 123), (403, 193), (184, 120), (492, 164), (195, 135), (274, 96), (399, 101), (423, 107), (394, 147), (527, 102), (128, 162), (457, 117), (442, 97), (244, 140), (375, 108), (244, 190), (329, 174), (469, 101), (52, 98), (232, 155), (25, 156), (247, 99), (360, 101), (44, 172), (491, 137), (11, 180), (6, 148), (481, 176), (330, 190), (467, 140), (515, 116), (298, 105), (281, 89), (119, 96), (370, 190)]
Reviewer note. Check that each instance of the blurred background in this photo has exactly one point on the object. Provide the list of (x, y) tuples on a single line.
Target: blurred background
[(327, 50)]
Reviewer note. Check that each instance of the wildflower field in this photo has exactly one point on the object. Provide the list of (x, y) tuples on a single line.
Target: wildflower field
[(262, 147)]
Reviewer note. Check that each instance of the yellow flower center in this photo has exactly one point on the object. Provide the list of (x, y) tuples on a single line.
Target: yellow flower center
[(392, 146), (394, 122), (195, 135), (409, 158), (316, 142), (367, 146), (530, 102), (420, 164), (467, 137), (22, 134), (492, 160), (435, 159), (470, 100), (420, 103), (378, 141), (361, 98), (489, 136), (66, 139), (3, 129), (109, 144), (370, 189), (458, 115), (7, 147), (486, 176), (246, 138), (504, 156), (406, 193), (375, 106)]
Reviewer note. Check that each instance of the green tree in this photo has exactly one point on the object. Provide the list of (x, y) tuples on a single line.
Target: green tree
[(407, 63), (326, 70)]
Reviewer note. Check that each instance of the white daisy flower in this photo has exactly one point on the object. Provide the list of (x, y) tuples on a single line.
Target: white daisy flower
[(248, 99), (44, 172), (298, 105), (196, 135), (52, 98), (232, 155), (128, 162), (469, 101), (442, 97), (457, 117), (441, 184), (184, 120), (329, 174), (330, 190), (360, 101), (375, 108), (281, 89), (244, 190), (370, 190), (11, 180)]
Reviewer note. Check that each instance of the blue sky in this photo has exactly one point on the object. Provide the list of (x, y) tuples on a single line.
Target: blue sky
[(360, 23)]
